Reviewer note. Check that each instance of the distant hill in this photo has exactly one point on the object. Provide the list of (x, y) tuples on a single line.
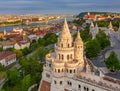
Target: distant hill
[(85, 13)]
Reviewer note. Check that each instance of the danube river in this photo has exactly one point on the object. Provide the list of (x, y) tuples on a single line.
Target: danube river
[(10, 28)]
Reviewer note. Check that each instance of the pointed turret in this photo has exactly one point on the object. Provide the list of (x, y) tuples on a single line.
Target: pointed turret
[(65, 31), (78, 51), (78, 39), (96, 29), (4, 32), (110, 27), (92, 25), (65, 38)]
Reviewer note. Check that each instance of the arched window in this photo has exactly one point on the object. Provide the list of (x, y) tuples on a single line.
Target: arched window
[(62, 45), (58, 70), (67, 70), (59, 56), (70, 71), (62, 70), (55, 82), (68, 45), (74, 70), (71, 56), (67, 57), (55, 70), (79, 86), (60, 82), (62, 57), (87, 89)]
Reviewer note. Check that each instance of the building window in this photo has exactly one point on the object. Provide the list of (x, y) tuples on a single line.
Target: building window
[(84, 88), (62, 70), (58, 70), (93, 90), (79, 86), (67, 70), (62, 45), (49, 65), (68, 45), (47, 75), (67, 57), (60, 82), (59, 56), (68, 82), (70, 71), (71, 56), (55, 70), (55, 82), (62, 57), (74, 70), (87, 89)]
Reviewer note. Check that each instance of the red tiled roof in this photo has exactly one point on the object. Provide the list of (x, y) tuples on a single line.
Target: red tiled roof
[(102, 16), (22, 42), (6, 54), (45, 86), (90, 16), (66, 90)]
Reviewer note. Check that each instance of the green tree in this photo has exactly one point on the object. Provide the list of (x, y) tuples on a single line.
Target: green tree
[(25, 51), (112, 62), (50, 38), (103, 39), (1, 49), (18, 53), (13, 76), (41, 41), (92, 48), (1, 67), (26, 82)]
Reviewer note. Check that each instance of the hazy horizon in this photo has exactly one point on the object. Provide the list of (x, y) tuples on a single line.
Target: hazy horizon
[(57, 6)]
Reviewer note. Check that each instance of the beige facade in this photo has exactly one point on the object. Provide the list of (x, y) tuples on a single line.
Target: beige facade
[(67, 68)]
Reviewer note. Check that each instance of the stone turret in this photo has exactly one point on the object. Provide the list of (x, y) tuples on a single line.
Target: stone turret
[(93, 30), (4, 32), (96, 29), (110, 27), (78, 47), (92, 25), (65, 38)]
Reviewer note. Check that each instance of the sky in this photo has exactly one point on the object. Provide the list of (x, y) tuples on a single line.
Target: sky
[(57, 6)]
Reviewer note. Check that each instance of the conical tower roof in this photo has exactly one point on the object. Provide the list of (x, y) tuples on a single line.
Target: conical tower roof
[(96, 28), (110, 25), (65, 33), (78, 39)]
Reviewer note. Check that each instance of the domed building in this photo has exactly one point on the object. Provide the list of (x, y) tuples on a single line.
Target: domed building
[(67, 68)]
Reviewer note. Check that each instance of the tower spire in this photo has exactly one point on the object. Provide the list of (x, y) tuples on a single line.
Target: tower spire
[(78, 39), (65, 31)]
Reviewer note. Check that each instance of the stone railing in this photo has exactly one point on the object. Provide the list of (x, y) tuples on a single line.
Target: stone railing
[(100, 84)]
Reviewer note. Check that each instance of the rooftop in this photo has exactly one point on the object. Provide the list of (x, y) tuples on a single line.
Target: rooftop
[(5, 54)]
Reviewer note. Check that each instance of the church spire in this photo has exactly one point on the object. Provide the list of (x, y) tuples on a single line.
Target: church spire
[(65, 31), (111, 27), (78, 39), (65, 38)]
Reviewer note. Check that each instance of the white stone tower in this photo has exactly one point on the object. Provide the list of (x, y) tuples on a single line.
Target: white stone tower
[(93, 30), (110, 27)]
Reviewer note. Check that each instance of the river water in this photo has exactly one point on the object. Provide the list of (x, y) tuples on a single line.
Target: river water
[(10, 28)]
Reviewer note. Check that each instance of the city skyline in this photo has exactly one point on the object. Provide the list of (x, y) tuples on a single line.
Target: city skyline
[(57, 6)]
